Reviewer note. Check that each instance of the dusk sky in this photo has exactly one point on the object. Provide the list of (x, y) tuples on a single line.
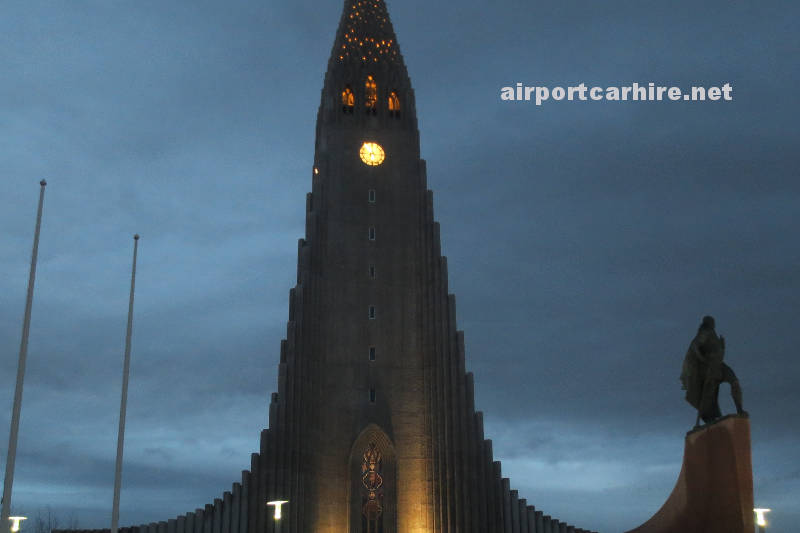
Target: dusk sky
[(585, 240)]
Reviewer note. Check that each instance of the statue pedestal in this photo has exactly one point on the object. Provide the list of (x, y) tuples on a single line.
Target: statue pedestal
[(714, 492)]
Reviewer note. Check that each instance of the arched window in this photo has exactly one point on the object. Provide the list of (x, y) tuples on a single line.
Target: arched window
[(372, 488), (394, 105), (371, 94), (348, 100), (373, 482)]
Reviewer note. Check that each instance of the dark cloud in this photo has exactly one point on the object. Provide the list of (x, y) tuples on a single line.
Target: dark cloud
[(585, 240)]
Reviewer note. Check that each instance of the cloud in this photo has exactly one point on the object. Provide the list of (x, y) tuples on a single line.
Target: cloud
[(584, 241)]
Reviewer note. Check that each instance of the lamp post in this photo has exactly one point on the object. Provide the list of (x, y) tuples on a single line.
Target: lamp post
[(761, 520), (277, 504), (15, 520)]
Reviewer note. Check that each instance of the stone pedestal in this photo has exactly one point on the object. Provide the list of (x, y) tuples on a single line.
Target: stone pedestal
[(714, 492)]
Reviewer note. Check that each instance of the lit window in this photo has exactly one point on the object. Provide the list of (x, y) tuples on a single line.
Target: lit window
[(371, 196), (394, 105), (370, 93), (372, 312), (371, 353), (348, 100), (372, 233)]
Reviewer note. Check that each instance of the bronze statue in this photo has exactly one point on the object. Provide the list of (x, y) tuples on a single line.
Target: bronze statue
[(704, 371)]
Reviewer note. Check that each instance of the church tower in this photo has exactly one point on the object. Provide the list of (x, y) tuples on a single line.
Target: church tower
[(365, 451), (373, 428), (374, 424), (381, 427)]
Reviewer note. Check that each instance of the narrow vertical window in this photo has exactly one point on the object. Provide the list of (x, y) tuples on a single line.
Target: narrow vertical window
[(371, 353), (372, 312), (371, 395), (371, 196), (372, 271), (372, 233), (394, 105), (348, 100), (370, 94)]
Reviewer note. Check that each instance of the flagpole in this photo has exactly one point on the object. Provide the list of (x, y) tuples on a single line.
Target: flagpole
[(23, 354), (124, 400)]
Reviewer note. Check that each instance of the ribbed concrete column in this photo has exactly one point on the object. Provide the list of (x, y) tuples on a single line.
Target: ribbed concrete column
[(457, 406), (252, 504), (508, 517), (531, 512), (443, 348), (274, 461), (171, 525), (468, 420), (488, 481), (514, 500), (216, 519), (236, 507), (293, 416), (480, 472), (226, 512), (244, 509), (188, 525), (429, 348), (539, 522), (180, 524), (523, 515), (208, 518), (198, 521), (498, 492), (266, 458)]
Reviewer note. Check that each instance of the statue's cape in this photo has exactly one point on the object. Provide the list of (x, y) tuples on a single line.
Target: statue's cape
[(692, 377)]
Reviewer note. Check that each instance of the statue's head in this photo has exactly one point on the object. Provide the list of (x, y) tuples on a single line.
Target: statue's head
[(708, 322)]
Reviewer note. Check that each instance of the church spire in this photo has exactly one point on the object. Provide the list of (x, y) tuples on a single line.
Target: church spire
[(367, 83), (365, 45), (365, 35)]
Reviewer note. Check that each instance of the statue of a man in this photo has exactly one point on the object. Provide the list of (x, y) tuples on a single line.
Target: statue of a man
[(704, 371)]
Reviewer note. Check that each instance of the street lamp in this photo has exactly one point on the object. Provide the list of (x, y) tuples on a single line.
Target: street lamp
[(761, 521), (15, 520), (277, 504)]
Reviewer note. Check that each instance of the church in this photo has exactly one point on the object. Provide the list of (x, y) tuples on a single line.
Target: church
[(373, 428)]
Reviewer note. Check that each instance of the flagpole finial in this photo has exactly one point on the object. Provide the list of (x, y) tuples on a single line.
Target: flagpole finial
[(43, 183), (136, 237)]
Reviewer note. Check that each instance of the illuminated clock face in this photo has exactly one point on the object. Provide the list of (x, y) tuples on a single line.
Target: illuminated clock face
[(372, 154)]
